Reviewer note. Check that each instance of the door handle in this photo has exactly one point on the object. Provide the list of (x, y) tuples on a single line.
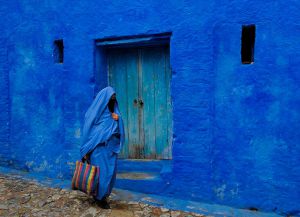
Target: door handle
[(138, 102), (141, 102)]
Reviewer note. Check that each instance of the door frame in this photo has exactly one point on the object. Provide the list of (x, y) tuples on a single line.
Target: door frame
[(101, 78)]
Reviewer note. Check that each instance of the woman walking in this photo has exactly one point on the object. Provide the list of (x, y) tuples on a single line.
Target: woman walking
[(103, 137)]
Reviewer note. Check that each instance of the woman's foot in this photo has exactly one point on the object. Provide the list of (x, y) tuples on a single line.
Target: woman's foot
[(103, 204)]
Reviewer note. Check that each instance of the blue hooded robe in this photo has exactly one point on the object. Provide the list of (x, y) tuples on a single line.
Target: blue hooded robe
[(103, 138)]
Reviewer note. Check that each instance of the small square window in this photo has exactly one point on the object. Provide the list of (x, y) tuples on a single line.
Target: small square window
[(248, 41), (58, 51)]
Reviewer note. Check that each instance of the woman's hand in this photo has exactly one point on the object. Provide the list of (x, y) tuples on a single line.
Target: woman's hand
[(86, 158), (115, 116)]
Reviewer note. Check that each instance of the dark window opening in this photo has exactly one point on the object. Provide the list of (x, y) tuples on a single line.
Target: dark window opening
[(248, 41), (58, 51)]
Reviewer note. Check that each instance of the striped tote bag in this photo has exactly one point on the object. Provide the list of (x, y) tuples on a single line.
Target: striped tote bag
[(86, 178)]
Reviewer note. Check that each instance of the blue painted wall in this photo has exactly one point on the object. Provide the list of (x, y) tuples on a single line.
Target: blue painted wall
[(236, 127)]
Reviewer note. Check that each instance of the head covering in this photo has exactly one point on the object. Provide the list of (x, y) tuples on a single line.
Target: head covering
[(98, 126)]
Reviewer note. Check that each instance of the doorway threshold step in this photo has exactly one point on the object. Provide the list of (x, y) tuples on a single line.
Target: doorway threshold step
[(144, 166), (145, 182), (137, 176)]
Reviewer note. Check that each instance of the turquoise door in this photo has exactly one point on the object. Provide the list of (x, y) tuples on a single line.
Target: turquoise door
[(141, 78)]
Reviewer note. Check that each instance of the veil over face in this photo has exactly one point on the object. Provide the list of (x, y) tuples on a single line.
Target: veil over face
[(99, 126)]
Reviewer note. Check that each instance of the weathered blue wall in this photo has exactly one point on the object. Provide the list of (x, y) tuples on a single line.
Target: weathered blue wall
[(236, 127), (4, 105)]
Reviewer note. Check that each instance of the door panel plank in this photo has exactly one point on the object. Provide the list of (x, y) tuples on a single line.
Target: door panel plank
[(168, 74), (161, 115), (118, 80), (135, 145), (148, 97)]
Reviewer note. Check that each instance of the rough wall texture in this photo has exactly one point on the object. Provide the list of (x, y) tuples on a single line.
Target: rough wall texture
[(4, 105), (236, 127), (4, 98)]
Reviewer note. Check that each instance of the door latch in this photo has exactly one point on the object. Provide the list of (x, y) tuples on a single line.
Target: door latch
[(138, 102), (141, 102)]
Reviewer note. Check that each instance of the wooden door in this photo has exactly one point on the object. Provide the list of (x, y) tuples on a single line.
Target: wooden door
[(141, 78)]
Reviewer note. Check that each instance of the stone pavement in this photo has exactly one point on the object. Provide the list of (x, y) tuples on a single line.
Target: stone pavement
[(21, 197)]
